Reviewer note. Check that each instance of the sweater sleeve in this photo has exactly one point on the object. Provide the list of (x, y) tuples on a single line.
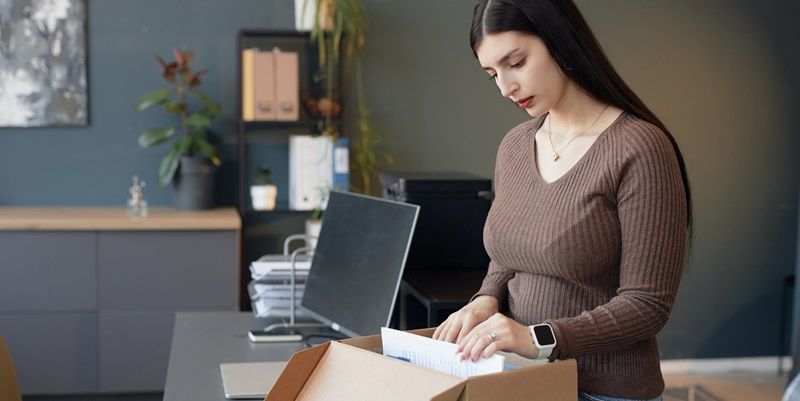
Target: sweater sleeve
[(651, 208)]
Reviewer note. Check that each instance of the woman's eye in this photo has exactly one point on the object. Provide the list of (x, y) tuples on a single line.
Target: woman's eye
[(518, 64), (492, 77)]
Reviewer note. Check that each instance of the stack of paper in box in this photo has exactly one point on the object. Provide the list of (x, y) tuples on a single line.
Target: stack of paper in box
[(271, 288)]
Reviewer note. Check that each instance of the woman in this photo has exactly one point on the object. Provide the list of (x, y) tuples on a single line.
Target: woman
[(589, 228)]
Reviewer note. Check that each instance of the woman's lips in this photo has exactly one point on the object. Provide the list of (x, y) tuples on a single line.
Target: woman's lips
[(524, 103)]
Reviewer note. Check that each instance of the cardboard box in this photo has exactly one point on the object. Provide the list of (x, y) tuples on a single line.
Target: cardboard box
[(355, 370)]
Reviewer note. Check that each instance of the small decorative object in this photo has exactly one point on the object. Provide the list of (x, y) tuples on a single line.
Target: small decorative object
[(137, 205), (263, 193), (191, 158), (43, 63)]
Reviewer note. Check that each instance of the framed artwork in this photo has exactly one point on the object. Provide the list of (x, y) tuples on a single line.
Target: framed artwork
[(43, 63)]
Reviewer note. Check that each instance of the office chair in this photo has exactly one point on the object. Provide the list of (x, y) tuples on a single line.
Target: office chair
[(9, 389)]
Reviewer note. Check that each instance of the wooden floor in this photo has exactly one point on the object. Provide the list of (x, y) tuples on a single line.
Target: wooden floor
[(726, 387)]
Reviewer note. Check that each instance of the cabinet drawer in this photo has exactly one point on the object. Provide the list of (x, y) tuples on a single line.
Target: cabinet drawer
[(47, 271), (167, 270), (53, 354), (134, 350)]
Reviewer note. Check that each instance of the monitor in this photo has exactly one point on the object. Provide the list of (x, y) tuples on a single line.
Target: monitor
[(358, 262)]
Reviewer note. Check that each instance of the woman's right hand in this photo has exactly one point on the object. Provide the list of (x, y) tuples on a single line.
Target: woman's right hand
[(461, 322)]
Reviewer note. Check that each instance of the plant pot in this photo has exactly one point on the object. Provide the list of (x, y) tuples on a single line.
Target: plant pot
[(193, 184), (305, 21), (263, 196), (313, 228)]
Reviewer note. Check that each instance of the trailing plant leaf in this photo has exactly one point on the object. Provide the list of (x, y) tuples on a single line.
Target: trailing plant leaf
[(339, 49), (153, 98), (155, 136)]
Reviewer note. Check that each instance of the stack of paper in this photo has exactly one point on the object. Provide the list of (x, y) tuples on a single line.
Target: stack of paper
[(271, 289), (435, 354)]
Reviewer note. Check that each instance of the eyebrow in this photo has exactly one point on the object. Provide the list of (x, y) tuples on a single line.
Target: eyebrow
[(503, 59)]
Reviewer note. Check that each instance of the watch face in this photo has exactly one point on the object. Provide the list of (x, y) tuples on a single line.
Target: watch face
[(544, 335)]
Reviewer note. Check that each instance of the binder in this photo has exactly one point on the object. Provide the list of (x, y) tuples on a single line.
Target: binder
[(341, 165), (316, 165), (247, 84), (301, 183), (287, 86), (322, 168), (264, 86)]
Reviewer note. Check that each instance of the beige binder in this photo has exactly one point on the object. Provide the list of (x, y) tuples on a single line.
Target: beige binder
[(287, 85), (247, 84), (264, 86)]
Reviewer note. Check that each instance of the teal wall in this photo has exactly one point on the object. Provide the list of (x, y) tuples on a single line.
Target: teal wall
[(721, 74), (94, 165)]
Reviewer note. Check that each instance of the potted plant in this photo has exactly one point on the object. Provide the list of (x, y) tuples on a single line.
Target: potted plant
[(314, 226), (263, 193), (191, 160), (340, 36)]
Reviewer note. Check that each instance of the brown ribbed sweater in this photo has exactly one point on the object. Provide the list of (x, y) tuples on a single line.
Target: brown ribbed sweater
[(597, 254)]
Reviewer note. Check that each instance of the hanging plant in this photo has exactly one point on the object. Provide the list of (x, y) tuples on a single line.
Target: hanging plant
[(339, 31)]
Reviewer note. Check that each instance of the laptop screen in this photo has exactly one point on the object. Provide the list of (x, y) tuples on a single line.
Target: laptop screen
[(358, 262)]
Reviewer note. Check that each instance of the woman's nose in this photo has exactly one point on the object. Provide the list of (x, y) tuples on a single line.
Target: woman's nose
[(507, 86)]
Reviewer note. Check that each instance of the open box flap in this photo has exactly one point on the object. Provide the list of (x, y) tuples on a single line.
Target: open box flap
[(347, 373), (296, 373)]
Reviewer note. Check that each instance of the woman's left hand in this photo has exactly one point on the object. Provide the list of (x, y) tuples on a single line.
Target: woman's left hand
[(509, 336)]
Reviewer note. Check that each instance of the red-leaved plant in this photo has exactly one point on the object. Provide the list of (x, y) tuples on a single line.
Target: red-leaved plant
[(193, 125)]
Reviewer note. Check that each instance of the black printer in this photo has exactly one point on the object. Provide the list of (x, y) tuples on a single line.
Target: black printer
[(453, 210)]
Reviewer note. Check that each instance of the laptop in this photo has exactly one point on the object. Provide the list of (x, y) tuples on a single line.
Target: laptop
[(249, 380)]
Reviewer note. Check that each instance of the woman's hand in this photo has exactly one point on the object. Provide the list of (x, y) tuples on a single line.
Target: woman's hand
[(461, 322), (498, 333)]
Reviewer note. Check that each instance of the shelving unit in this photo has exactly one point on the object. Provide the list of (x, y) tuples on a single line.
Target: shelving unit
[(264, 230)]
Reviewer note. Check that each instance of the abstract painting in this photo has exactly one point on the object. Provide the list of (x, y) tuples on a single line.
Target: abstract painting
[(43, 63)]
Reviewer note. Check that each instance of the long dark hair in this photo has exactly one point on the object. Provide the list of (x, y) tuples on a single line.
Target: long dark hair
[(574, 47)]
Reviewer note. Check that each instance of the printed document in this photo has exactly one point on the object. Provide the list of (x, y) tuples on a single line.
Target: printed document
[(435, 354)]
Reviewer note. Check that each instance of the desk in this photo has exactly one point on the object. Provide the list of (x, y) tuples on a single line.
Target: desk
[(203, 340)]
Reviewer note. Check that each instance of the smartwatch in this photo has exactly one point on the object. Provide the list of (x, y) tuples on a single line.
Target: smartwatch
[(543, 339)]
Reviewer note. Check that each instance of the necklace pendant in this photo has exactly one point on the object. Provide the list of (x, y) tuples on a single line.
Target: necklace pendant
[(556, 157)]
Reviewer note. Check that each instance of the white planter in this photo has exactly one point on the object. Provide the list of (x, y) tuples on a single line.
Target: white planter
[(313, 228), (304, 21), (263, 196)]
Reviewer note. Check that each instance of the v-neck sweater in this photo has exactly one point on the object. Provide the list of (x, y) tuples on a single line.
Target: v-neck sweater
[(598, 253)]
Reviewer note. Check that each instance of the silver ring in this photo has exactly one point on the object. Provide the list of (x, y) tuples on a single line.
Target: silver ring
[(492, 336)]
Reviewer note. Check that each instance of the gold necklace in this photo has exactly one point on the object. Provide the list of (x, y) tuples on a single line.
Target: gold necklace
[(550, 133)]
